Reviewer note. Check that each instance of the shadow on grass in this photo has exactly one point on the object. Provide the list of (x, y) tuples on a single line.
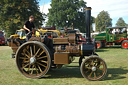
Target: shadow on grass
[(4, 45), (107, 48), (74, 72), (65, 72), (116, 73), (114, 47), (101, 50)]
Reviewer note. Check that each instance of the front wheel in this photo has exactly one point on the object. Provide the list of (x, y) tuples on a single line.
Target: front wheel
[(124, 44), (93, 68)]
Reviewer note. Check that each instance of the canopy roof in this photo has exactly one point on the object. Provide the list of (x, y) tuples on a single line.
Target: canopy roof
[(116, 27)]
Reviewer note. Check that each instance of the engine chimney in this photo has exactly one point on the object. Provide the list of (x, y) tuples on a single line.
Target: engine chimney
[(88, 48), (88, 24)]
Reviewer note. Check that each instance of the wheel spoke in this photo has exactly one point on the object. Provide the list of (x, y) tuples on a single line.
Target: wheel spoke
[(99, 65), (25, 61), (40, 54), (27, 55), (41, 57), (40, 68), (41, 64), (94, 74), (87, 71), (34, 48), (92, 63), (88, 67), (96, 62), (36, 69), (25, 66), (31, 51), (26, 51), (32, 69), (44, 61), (37, 52), (90, 74), (98, 73), (100, 69), (27, 46), (29, 67), (23, 58)]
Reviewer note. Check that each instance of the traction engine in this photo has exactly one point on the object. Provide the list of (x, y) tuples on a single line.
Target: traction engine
[(37, 55)]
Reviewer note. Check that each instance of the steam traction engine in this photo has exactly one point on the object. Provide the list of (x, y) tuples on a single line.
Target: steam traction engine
[(34, 57)]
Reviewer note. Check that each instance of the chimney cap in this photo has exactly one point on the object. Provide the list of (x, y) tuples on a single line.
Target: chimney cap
[(88, 8)]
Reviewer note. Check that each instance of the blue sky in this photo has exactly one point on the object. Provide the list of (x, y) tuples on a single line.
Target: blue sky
[(116, 8), (44, 1)]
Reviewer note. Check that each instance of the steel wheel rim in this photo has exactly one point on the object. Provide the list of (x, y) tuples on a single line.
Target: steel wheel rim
[(26, 65), (89, 71), (125, 45)]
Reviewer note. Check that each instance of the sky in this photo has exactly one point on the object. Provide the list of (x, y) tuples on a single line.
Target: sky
[(116, 8)]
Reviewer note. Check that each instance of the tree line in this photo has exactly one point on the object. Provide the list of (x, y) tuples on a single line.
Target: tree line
[(63, 13), (71, 13), (103, 20)]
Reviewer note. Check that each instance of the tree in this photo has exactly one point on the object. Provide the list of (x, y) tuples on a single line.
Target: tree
[(66, 13), (13, 14), (121, 22), (102, 21), (92, 21)]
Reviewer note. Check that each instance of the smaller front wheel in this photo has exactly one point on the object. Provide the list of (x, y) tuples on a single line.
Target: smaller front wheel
[(93, 68), (124, 44)]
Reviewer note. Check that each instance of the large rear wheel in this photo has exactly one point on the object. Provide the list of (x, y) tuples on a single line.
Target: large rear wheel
[(33, 59), (93, 68)]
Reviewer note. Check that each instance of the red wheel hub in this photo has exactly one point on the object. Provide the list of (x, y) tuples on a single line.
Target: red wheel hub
[(125, 45), (98, 44)]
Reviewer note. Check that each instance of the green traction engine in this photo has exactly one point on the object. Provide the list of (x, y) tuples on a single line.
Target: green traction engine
[(113, 36)]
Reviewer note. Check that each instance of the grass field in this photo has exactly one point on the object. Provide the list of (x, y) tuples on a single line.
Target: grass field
[(116, 59)]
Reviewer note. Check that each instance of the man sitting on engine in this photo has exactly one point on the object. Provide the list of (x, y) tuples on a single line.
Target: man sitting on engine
[(29, 25)]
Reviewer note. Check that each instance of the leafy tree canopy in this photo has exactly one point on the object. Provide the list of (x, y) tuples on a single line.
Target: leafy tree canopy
[(67, 13), (13, 14), (103, 20), (121, 22)]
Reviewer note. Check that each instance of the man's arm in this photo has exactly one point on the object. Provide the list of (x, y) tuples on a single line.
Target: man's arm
[(26, 28)]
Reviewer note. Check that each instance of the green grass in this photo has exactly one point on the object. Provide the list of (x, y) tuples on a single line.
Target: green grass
[(116, 59)]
